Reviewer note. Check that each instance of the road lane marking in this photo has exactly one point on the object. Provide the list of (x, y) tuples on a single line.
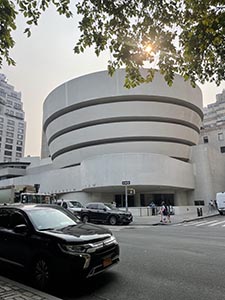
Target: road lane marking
[(194, 223), (221, 222), (206, 223)]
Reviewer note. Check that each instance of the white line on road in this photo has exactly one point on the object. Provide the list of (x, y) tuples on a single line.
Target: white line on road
[(194, 223), (217, 223), (206, 223)]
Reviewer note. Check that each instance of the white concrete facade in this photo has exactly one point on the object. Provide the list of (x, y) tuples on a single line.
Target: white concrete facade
[(105, 118), (112, 134), (97, 134)]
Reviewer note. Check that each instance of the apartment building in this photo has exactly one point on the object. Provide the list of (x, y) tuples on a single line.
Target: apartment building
[(12, 124), (213, 126)]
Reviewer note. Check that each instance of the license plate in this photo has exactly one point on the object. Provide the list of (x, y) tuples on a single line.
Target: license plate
[(107, 262)]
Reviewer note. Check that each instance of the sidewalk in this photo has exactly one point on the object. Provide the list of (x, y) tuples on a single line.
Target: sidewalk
[(11, 290), (155, 220)]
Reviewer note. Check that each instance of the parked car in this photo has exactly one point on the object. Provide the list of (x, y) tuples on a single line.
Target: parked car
[(49, 242), (107, 213), (72, 205)]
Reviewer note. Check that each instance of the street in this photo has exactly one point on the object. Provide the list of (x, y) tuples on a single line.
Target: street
[(161, 262), (178, 261)]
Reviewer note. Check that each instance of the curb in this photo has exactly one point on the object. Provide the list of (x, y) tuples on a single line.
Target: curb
[(200, 218)]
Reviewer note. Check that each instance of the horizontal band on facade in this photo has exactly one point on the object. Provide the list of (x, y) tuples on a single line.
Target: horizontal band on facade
[(70, 166), (120, 99), (120, 120), (121, 140)]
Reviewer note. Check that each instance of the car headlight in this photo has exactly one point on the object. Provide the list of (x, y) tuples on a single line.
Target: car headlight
[(77, 250), (73, 249)]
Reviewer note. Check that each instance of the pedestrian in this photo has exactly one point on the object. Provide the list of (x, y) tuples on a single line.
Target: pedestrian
[(211, 206), (163, 212), (113, 203), (153, 208), (169, 210)]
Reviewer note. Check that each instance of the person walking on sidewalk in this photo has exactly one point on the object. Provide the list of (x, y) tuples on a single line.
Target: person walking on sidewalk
[(163, 212), (169, 210)]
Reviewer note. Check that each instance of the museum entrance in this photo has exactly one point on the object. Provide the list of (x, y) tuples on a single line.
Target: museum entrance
[(157, 199), (120, 200)]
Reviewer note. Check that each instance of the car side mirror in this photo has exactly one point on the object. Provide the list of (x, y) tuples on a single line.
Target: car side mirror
[(104, 209), (22, 228)]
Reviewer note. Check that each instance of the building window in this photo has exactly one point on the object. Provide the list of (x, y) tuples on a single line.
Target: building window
[(11, 122), (17, 106), (19, 148), (205, 139), (1, 125), (20, 125), (8, 147), (1, 120), (18, 154), (6, 159), (10, 141), (19, 143), (199, 202), (19, 115), (10, 128), (8, 153), (9, 134), (20, 130), (9, 103), (220, 136), (222, 149), (19, 136)]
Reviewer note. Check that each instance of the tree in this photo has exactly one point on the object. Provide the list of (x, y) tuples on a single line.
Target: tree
[(179, 36)]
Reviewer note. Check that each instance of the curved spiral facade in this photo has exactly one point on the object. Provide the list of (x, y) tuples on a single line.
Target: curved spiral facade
[(95, 115)]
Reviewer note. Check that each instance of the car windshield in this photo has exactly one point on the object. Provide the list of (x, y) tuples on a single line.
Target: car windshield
[(76, 204), (49, 218)]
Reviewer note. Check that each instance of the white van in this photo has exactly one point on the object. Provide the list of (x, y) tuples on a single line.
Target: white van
[(72, 205), (220, 201)]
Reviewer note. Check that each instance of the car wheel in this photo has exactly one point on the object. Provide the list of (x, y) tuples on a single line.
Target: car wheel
[(41, 274), (85, 219), (112, 220)]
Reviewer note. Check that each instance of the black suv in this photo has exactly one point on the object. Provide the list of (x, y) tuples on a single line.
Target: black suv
[(105, 213), (50, 242)]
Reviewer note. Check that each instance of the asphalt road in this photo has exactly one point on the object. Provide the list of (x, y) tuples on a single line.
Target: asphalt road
[(171, 262), (160, 262)]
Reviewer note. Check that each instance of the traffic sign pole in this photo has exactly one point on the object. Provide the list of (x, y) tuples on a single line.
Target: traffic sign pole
[(126, 202), (126, 183)]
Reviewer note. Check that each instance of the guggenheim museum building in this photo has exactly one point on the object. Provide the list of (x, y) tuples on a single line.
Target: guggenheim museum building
[(99, 136)]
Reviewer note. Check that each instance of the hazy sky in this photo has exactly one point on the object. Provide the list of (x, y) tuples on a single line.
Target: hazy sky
[(46, 60)]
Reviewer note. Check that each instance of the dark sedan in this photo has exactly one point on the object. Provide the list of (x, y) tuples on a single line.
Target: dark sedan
[(106, 213), (50, 242)]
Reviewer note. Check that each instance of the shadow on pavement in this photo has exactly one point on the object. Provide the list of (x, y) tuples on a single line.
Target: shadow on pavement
[(67, 288), (82, 289)]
